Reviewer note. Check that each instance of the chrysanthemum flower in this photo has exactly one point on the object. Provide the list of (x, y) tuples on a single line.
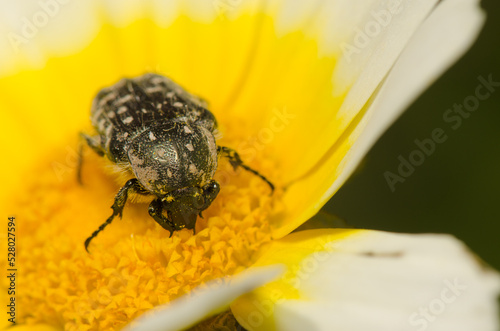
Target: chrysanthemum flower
[(302, 90)]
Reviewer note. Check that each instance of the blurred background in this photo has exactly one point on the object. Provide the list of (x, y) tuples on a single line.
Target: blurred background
[(457, 188)]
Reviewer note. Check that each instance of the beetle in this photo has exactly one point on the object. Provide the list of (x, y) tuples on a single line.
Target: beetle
[(163, 138)]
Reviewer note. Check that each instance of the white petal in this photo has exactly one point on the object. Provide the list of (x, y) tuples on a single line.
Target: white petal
[(201, 10), (165, 11), (293, 15), (337, 25), (387, 282), (52, 26), (443, 38), (204, 301), (121, 13), (362, 71)]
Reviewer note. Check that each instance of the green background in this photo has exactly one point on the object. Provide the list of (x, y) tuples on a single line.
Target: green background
[(457, 189)]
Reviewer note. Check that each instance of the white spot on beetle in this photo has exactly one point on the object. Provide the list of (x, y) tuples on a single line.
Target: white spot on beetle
[(122, 110), (190, 147), (154, 89), (123, 99), (146, 175), (128, 120), (192, 169), (187, 129), (178, 104), (169, 173), (151, 136), (108, 130), (158, 80), (108, 97), (97, 112), (170, 94), (100, 125), (135, 161)]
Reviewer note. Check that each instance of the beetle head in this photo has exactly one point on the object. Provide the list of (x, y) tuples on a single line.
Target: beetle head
[(184, 205)]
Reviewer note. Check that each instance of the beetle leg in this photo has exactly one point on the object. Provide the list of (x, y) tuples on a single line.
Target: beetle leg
[(210, 192), (132, 186), (236, 162), (79, 164), (93, 143), (156, 212)]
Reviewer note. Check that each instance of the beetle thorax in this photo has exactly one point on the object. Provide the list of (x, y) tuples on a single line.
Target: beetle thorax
[(172, 156)]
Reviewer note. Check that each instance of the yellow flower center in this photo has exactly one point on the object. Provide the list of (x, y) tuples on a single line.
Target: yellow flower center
[(133, 265)]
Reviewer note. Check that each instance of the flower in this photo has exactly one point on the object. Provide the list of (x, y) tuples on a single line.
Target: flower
[(276, 74)]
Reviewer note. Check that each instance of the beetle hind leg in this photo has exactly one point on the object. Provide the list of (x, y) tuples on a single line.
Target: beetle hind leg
[(92, 142)]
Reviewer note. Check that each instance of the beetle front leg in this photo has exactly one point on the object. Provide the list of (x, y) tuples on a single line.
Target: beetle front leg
[(132, 186), (92, 143), (235, 160), (156, 211), (210, 192)]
